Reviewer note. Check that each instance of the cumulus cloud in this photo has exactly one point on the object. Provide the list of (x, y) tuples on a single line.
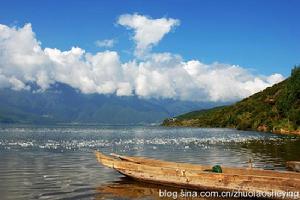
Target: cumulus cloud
[(160, 75), (105, 43), (147, 31)]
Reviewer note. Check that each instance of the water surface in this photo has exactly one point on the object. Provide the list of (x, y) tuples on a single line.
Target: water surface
[(57, 162)]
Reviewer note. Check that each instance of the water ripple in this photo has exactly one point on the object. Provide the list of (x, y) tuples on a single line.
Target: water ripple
[(58, 162)]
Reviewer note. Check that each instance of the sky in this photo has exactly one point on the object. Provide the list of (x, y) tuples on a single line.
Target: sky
[(201, 50)]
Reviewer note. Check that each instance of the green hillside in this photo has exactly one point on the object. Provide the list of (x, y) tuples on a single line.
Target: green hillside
[(275, 109)]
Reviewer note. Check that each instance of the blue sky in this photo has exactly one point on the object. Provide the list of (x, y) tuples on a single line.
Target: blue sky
[(263, 35), (188, 50)]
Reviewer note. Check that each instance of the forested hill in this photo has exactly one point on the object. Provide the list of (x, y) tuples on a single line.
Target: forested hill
[(275, 109)]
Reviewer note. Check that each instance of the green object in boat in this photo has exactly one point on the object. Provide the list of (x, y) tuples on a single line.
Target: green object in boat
[(217, 169)]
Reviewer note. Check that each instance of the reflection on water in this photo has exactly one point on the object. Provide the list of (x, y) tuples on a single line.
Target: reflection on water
[(58, 162), (127, 188)]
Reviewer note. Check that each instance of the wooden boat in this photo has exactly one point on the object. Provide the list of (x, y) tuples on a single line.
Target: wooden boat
[(199, 177)]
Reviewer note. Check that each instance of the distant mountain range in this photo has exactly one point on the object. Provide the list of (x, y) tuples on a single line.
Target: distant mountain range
[(275, 109), (63, 104)]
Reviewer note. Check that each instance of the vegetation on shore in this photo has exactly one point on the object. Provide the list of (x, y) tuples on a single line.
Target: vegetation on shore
[(275, 109)]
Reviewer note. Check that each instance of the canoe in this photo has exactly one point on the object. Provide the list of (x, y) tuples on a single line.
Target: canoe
[(198, 177)]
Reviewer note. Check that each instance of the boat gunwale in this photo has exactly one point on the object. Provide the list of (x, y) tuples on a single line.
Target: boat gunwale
[(267, 173), (194, 173)]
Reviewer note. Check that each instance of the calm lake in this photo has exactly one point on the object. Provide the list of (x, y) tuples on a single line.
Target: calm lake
[(57, 162)]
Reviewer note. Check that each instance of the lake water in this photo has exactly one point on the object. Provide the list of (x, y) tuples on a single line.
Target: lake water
[(57, 162)]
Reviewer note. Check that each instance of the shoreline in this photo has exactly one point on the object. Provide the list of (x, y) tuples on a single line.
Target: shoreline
[(281, 131)]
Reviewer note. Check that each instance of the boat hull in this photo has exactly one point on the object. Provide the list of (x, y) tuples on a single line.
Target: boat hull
[(198, 178)]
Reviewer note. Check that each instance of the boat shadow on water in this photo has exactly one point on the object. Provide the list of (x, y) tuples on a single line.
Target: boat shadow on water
[(128, 188)]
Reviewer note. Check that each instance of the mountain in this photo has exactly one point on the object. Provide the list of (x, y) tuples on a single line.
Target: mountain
[(275, 109), (63, 104)]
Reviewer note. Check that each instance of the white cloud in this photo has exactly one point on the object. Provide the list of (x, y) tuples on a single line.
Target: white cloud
[(109, 43), (147, 31), (222, 82), (159, 75), (21, 58)]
